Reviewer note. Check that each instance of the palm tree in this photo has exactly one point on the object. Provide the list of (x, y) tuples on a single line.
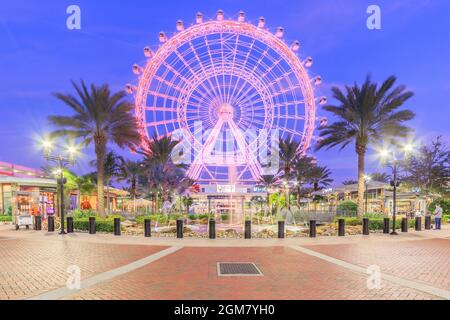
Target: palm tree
[(84, 185), (366, 114), (349, 182), (320, 177), (164, 176), (112, 167), (100, 117), (268, 181), (288, 155), (130, 172), (380, 177), (302, 168)]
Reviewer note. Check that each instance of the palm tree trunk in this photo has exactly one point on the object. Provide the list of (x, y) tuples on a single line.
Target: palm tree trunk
[(361, 153), (100, 150)]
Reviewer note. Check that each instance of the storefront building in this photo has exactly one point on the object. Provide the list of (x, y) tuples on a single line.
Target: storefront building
[(26, 191)]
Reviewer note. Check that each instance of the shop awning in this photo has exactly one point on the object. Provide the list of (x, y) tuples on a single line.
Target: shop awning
[(30, 182)]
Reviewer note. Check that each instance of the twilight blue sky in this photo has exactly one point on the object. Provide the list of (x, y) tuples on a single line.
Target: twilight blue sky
[(39, 55)]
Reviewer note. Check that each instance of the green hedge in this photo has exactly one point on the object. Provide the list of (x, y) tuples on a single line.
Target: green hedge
[(101, 225), (375, 224), (444, 203), (6, 218), (348, 205)]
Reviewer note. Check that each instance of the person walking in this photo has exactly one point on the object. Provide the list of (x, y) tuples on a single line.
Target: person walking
[(438, 217)]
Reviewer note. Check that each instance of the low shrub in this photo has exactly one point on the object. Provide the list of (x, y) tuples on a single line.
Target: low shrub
[(153, 217), (444, 203), (348, 206), (101, 224), (225, 217), (375, 224), (80, 214), (5, 218)]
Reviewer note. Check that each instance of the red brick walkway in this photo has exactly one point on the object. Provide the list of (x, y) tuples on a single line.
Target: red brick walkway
[(426, 261), (32, 267), (191, 273)]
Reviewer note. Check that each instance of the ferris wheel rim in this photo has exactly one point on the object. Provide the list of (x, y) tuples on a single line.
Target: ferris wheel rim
[(241, 28)]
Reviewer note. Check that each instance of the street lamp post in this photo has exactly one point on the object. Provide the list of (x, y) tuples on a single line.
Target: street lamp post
[(61, 161), (393, 162)]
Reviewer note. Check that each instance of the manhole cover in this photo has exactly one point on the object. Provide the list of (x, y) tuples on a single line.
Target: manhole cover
[(237, 269)]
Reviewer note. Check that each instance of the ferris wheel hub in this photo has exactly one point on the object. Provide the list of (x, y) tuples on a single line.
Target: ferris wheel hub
[(226, 112)]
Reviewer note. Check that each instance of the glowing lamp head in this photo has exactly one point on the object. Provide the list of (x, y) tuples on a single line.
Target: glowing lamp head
[(408, 148), (241, 17), (384, 154), (220, 15), (162, 37), (367, 178), (47, 145), (72, 150), (280, 32), (295, 46), (199, 17), (261, 22), (148, 52), (180, 26)]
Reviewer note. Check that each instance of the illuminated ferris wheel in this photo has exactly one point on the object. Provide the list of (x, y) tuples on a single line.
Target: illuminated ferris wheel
[(222, 86)]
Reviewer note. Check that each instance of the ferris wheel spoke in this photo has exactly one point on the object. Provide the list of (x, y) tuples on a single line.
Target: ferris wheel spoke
[(213, 65), (245, 61), (200, 63)]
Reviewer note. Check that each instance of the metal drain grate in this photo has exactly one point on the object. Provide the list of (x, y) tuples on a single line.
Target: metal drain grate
[(237, 269)]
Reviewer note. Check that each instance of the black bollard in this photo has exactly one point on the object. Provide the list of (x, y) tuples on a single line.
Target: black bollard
[(386, 225), (366, 226), (341, 227), (281, 229), (117, 226), (38, 223), (51, 224), (312, 228), (179, 228), (418, 224), (212, 229), (428, 223), (248, 229), (92, 229), (69, 225), (404, 224), (147, 228)]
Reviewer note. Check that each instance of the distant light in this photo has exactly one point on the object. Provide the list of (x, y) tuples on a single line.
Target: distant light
[(367, 178), (408, 148), (72, 150)]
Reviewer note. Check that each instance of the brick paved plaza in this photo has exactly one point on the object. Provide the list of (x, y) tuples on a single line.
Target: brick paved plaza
[(33, 265)]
